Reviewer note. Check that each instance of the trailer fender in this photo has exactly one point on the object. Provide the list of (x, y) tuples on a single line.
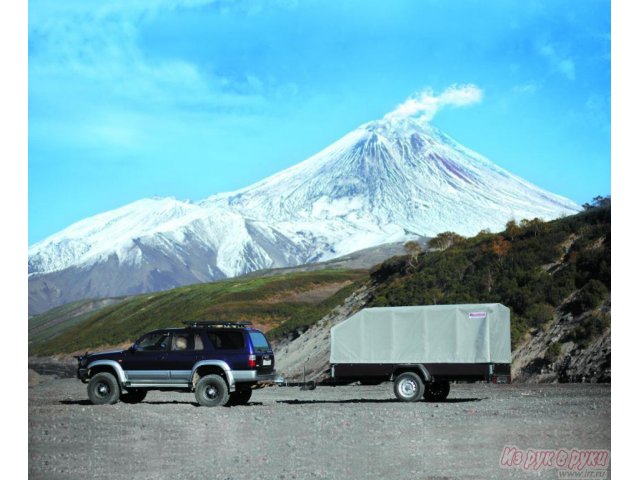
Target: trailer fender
[(412, 367)]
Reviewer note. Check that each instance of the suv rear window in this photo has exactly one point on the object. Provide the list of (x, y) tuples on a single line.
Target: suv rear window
[(259, 342), (227, 340)]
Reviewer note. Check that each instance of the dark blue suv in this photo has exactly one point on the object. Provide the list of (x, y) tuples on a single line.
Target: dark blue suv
[(221, 361)]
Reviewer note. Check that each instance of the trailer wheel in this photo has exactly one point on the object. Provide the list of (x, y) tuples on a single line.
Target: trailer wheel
[(408, 387), (436, 391)]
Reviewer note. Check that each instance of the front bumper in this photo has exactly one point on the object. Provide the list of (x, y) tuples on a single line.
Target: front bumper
[(83, 374)]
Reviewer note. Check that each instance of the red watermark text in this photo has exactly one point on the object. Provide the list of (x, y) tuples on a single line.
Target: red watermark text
[(564, 459)]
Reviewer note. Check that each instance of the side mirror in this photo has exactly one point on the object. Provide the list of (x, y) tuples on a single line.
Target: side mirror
[(134, 347)]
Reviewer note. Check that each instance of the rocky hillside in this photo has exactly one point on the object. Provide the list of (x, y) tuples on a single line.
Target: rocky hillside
[(307, 350), (569, 349), (555, 277)]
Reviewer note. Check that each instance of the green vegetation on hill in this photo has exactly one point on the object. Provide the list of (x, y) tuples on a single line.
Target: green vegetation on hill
[(276, 302), (533, 268), (49, 324)]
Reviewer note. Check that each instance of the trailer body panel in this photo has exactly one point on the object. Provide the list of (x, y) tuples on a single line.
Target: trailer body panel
[(434, 334)]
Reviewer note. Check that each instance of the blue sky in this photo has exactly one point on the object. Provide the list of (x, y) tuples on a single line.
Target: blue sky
[(187, 98)]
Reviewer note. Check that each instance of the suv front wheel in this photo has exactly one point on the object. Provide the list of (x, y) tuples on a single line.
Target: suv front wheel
[(103, 389), (212, 391)]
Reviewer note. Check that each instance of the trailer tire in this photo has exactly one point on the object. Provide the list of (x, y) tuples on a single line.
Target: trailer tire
[(408, 387), (437, 391)]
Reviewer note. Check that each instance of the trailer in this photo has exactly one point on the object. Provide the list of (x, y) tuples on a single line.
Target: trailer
[(421, 349)]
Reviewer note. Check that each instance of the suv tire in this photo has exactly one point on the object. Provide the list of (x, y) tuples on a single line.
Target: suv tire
[(436, 391), (133, 396), (240, 397), (103, 389), (408, 387), (212, 391)]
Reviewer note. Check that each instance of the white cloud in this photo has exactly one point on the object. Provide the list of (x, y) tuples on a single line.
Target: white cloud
[(426, 104), (558, 63)]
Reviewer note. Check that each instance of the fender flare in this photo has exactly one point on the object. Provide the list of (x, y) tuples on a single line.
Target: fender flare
[(220, 364), (122, 377), (426, 376)]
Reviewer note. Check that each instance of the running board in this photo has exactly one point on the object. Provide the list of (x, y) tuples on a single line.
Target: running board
[(157, 385)]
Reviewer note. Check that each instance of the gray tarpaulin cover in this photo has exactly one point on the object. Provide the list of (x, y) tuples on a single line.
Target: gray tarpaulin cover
[(425, 334)]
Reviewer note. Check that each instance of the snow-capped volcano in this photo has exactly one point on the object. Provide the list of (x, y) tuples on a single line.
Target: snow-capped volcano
[(397, 172), (386, 181)]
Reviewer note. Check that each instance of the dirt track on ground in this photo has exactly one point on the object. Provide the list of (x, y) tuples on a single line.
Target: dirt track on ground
[(358, 432)]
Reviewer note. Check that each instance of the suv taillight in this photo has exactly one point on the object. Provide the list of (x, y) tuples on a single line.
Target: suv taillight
[(252, 361)]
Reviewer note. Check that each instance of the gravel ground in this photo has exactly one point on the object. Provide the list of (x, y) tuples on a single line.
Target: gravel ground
[(358, 432)]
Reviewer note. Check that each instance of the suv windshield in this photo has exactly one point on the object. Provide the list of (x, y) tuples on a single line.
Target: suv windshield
[(259, 342), (154, 342)]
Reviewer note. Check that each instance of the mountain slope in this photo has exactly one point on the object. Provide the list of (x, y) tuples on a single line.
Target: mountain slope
[(48, 325), (279, 304), (387, 181)]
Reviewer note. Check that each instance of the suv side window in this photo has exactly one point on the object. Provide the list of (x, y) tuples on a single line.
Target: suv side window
[(154, 342), (186, 341), (227, 340)]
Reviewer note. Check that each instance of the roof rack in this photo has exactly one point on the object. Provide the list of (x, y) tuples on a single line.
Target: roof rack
[(218, 324)]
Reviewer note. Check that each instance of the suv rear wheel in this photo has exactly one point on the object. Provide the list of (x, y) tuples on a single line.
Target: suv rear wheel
[(103, 389), (133, 396), (212, 391), (408, 387), (240, 397)]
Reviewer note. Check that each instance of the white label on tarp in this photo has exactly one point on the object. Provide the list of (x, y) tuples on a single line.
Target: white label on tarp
[(477, 315)]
